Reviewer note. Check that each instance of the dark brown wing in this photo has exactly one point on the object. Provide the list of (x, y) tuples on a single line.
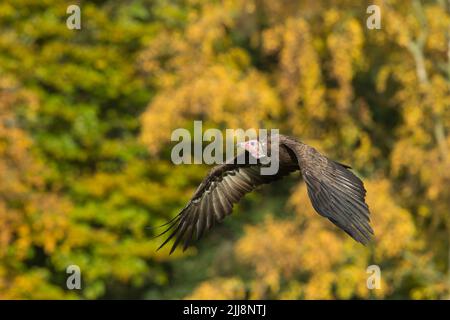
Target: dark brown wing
[(224, 186), (335, 192)]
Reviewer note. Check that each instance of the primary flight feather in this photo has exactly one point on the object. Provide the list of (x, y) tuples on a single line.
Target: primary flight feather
[(335, 192)]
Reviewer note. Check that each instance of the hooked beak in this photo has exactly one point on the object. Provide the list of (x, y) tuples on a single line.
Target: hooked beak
[(242, 144)]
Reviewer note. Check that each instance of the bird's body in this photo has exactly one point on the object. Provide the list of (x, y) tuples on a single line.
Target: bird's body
[(335, 192)]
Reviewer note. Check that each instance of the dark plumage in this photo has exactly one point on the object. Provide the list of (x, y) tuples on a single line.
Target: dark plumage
[(335, 192)]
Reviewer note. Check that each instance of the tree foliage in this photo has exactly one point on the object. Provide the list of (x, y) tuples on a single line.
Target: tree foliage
[(86, 118)]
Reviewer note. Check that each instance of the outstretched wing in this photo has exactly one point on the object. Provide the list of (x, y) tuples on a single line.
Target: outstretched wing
[(224, 186), (335, 192)]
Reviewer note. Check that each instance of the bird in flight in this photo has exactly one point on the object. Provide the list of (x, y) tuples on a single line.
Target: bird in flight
[(335, 192)]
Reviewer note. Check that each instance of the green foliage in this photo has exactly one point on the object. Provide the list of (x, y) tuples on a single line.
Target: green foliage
[(85, 123)]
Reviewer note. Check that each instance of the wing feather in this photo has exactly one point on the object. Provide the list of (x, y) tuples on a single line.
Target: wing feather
[(335, 192), (213, 200)]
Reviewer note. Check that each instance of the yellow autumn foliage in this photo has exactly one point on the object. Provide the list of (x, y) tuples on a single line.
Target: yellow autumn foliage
[(85, 136)]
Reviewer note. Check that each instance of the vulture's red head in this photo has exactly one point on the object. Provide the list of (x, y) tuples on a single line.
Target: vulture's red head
[(254, 147)]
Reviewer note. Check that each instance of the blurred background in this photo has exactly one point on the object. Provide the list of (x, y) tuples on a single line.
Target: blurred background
[(85, 123)]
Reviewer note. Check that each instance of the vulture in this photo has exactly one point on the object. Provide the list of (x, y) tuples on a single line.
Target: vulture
[(335, 192)]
